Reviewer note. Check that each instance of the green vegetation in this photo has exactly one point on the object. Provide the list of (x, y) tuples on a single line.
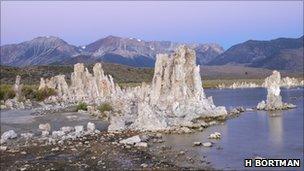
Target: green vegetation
[(82, 106), (6, 92), (29, 91), (104, 107), (32, 92), (44, 93)]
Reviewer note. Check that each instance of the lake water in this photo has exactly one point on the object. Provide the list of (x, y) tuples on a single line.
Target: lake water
[(250, 135), (22, 121)]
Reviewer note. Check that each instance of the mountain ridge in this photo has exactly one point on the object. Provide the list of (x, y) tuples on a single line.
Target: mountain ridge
[(129, 51), (279, 54)]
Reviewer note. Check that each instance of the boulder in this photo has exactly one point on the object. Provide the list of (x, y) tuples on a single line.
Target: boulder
[(91, 127), (8, 135), (79, 129), (45, 127), (215, 135), (45, 133), (197, 143), (132, 140), (207, 144), (141, 144)]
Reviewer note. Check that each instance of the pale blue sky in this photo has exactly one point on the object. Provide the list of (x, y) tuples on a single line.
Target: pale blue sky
[(80, 22)]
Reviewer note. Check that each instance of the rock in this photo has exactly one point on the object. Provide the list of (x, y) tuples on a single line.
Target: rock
[(117, 124), (79, 129), (197, 143), (141, 144), (215, 135), (45, 127), (82, 111), (3, 148), (57, 134), (249, 109), (55, 149), (132, 140), (27, 135), (175, 97), (185, 130), (144, 165), (144, 138), (274, 99), (261, 105), (181, 153), (8, 135), (207, 144), (17, 88), (67, 129), (90, 127), (45, 133), (158, 135), (84, 85)]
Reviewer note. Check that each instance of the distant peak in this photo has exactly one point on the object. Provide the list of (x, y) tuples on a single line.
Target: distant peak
[(112, 37)]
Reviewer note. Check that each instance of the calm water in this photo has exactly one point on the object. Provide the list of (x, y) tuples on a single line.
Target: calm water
[(250, 135), (22, 121)]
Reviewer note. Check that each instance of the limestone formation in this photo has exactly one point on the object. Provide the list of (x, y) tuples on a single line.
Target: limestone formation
[(18, 88), (274, 99), (286, 82), (175, 97), (91, 88), (291, 82)]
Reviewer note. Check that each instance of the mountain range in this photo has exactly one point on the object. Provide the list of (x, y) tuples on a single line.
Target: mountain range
[(52, 50), (280, 54)]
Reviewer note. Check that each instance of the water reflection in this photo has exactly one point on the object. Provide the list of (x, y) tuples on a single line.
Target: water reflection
[(275, 123)]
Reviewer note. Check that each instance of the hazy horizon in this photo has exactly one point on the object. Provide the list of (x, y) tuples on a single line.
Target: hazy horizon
[(79, 22)]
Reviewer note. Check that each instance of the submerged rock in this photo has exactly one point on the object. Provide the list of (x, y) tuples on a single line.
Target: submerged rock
[(274, 99)]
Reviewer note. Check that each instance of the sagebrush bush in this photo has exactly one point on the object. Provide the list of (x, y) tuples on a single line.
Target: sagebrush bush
[(6, 92), (104, 107), (82, 106), (44, 93), (29, 91)]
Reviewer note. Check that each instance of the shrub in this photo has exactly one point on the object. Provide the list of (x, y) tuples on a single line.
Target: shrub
[(82, 106), (44, 93), (104, 107), (6, 92), (29, 91)]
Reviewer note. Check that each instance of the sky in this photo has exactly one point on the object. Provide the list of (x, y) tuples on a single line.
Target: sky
[(81, 22)]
